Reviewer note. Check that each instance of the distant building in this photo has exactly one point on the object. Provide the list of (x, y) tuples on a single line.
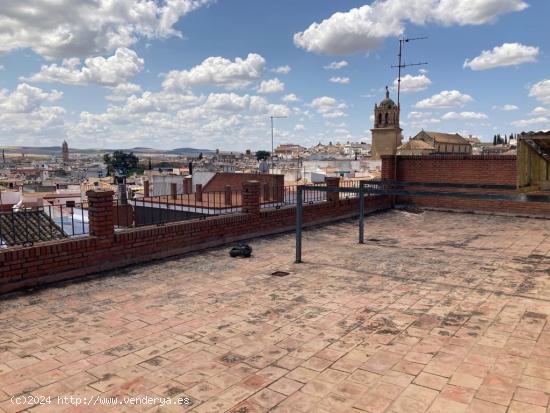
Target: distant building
[(445, 143), (65, 152), (289, 151), (415, 147), (386, 134)]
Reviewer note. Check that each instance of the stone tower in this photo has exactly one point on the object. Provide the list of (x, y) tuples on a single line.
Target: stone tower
[(65, 152), (386, 134)]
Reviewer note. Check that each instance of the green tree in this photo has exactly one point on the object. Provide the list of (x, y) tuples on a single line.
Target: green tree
[(262, 155), (121, 162)]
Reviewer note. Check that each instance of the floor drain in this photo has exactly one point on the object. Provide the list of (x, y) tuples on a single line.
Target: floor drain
[(280, 273)]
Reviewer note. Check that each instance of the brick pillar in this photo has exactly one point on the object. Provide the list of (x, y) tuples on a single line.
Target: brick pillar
[(100, 213), (187, 185), (228, 198), (198, 192), (332, 182), (388, 167), (174, 190), (251, 197), (146, 189)]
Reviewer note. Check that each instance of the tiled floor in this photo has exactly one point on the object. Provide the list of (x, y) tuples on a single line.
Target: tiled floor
[(436, 312)]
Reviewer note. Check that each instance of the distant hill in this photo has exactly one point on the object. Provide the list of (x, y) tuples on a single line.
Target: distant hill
[(56, 150)]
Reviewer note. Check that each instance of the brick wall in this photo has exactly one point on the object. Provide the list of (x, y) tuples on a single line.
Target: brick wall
[(462, 169), (53, 261), (236, 181)]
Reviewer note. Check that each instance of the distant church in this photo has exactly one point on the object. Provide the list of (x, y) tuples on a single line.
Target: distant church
[(65, 152), (386, 134)]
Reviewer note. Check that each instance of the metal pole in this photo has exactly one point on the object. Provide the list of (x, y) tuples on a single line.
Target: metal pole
[(361, 213), (299, 225), (271, 117)]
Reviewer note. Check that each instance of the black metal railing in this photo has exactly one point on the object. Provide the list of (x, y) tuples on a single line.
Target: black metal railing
[(27, 226), (163, 209)]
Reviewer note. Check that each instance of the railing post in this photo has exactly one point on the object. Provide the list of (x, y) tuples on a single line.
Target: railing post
[(332, 183), (228, 198), (100, 213), (251, 197), (299, 211), (361, 212)]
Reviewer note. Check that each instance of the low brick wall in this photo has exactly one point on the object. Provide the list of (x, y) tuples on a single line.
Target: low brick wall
[(53, 261)]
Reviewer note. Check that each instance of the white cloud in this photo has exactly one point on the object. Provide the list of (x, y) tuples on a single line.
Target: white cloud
[(329, 107), (340, 80), (363, 29), (291, 98), (26, 99), (111, 71), (541, 91), (123, 91), (445, 99), (336, 65), (282, 70), (509, 54), (412, 84), (271, 86), (418, 115), (540, 111), (69, 28), (538, 121), (464, 116), (506, 108), (299, 127), (25, 115), (217, 71)]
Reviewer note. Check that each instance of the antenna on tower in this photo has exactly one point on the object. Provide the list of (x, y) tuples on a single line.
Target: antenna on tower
[(403, 65)]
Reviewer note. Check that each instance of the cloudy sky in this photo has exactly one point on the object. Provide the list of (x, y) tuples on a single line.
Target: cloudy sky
[(209, 73)]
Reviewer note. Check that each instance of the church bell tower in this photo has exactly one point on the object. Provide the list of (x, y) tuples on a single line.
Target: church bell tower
[(386, 134)]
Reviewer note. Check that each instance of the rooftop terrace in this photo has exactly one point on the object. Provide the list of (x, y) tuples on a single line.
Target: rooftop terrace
[(437, 312)]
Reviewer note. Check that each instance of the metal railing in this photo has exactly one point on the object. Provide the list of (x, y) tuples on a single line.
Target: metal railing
[(27, 226), (163, 209)]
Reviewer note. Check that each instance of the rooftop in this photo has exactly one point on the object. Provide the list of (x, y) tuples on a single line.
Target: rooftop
[(438, 312)]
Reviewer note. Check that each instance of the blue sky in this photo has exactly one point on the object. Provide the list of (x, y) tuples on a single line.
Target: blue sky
[(208, 74)]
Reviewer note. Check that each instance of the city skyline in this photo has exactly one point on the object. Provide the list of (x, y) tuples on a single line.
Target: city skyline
[(209, 74)]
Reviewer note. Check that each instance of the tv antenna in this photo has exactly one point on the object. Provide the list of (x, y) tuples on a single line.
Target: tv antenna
[(403, 65)]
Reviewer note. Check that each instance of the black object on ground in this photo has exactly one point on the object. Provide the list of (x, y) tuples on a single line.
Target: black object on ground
[(241, 250)]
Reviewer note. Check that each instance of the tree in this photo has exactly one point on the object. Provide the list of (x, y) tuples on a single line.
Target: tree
[(262, 155), (121, 163), (200, 156), (494, 139)]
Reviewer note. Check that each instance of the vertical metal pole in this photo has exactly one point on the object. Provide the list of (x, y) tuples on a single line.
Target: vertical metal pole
[(361, 213), (271, 117), (299, 225)]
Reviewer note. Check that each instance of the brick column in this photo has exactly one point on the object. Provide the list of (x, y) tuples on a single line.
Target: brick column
[(198, 193), (174, 190), (228, 198), (388, 167), (146, 189), (187, 185), (100, 213), (251, 197), (332, 182)]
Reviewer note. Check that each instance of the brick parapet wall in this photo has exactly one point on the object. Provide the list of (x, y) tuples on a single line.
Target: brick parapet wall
[(47, 262), (462, 169)]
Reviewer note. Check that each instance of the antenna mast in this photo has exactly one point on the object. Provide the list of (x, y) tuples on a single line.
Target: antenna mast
[(403, 65)]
